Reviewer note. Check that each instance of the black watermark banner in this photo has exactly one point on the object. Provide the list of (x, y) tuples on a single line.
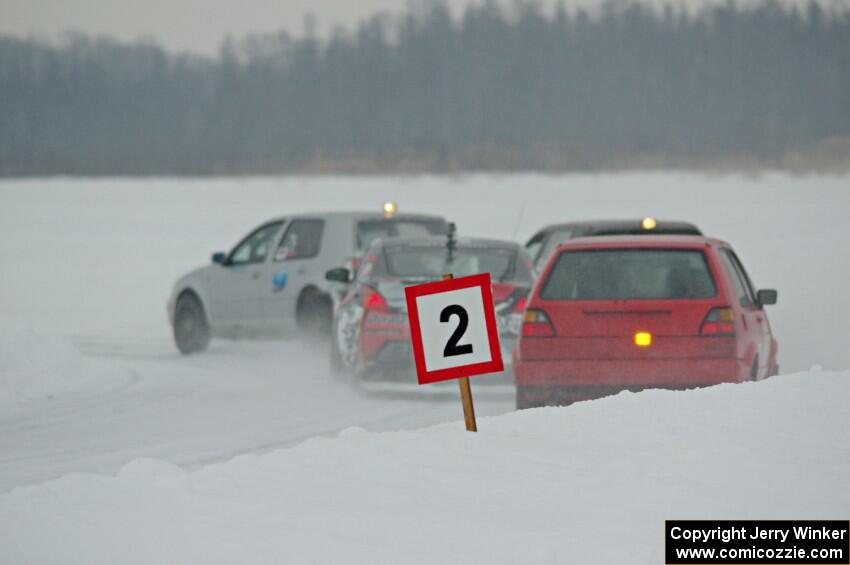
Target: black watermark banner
[(757, 542)]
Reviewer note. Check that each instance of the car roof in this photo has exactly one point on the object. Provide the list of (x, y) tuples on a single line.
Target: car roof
[(603, 226), (440, 241), (641, 241), (358, 215)]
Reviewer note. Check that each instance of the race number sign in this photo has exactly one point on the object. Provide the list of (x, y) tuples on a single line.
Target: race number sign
[(453, 329)]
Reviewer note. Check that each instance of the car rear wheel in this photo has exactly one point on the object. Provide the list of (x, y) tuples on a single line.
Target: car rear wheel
[(522, 399), (754, 370), (191, 329), (314, 314)]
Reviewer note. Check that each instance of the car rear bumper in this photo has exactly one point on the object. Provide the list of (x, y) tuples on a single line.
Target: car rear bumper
[(533, 396), (625, 373), (543, 383), (390, 359)]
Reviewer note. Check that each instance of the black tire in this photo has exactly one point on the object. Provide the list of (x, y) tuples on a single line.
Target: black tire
[(754, 371), (191, 329), (314, 314), (522, 401)]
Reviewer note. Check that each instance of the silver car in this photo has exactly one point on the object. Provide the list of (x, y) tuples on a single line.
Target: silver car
[(272, 283)]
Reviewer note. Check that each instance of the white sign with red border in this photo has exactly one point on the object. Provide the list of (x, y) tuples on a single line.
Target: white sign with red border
[(453, 328)]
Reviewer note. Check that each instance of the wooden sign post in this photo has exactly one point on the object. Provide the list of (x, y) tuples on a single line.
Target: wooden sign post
[(453, 333), (466, 393)]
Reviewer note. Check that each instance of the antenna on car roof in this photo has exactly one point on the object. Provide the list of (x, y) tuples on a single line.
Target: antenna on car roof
[(451, 243)]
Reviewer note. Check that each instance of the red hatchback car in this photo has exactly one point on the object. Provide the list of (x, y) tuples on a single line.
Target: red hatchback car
[(628, 313)]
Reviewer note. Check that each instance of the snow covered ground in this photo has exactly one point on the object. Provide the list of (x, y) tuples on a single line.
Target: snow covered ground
[(589, 484), (90, 381), (144, 400)]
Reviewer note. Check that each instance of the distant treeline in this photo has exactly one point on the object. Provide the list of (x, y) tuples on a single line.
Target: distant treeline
[(495, 89)]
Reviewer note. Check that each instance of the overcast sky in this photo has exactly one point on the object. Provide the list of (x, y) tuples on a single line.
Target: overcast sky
[(194, 25), (200, 25)]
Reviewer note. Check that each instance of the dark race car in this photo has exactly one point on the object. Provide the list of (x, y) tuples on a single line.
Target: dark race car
[(541, 245), (370, 334)]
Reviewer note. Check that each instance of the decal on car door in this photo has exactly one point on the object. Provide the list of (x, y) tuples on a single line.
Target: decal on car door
[(279, 281)]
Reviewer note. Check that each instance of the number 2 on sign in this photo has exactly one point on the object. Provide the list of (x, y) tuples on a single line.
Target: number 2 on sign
[(452, 348)]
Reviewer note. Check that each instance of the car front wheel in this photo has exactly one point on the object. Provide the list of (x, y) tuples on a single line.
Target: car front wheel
[(191, 330), (314, 314)]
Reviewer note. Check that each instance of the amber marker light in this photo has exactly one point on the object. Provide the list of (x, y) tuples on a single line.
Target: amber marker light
[(390, 208), (643, 339), (648, 223)]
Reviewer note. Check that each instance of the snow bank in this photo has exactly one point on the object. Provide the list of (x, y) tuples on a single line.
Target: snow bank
[(589, 483), (36, 366)]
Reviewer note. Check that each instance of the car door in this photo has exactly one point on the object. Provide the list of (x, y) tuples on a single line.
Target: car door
[(293, 266), (752, 317), (235, 289), (762, 324)]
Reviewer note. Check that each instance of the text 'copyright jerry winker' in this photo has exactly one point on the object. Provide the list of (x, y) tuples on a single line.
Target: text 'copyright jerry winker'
[(757, 542)]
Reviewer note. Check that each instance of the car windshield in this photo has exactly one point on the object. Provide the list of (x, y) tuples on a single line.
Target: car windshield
[(620, 274), (370, 230), (432, 262)]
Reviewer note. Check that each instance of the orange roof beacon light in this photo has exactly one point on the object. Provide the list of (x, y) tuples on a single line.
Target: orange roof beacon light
[(390, 208), (648, 223), (643, 339)]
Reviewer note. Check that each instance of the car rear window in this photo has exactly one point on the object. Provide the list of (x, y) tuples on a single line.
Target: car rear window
[(370, 230), (624, 274), (432, 262)]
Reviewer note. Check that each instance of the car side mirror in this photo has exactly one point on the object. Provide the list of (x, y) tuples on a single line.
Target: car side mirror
[(219, 258), (340, 274), (766, 296)]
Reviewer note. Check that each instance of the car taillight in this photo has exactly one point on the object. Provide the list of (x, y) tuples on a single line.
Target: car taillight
[(519, 307), (378, 317), (372, 300), (719, 321), (535, 323)]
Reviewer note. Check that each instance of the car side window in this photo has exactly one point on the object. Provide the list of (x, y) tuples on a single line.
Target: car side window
[(745, 278), (742, 287), (302, 240), (255, 247)]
